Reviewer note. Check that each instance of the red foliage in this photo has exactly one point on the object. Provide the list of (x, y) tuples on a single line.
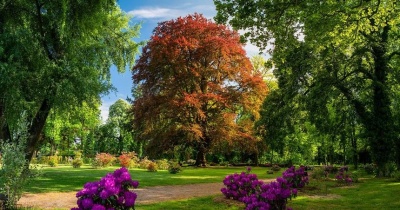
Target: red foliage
[(127, 159), (104, 159), (193, 79)]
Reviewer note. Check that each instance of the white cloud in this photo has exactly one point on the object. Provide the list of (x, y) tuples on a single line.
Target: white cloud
[(155, 13), (252, 50), (167, 13), (104, 110)]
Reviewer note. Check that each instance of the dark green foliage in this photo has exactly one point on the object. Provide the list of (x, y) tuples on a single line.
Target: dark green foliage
[(174, 167), (338, 62)]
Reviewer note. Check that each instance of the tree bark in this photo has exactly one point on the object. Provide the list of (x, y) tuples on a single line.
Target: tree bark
[(36, 128), (354, 147), (381, 127), (5, 134), (201, 155)]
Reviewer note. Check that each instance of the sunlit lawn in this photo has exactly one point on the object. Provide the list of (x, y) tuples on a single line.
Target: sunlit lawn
[(202, 203), (370, 194), (64, 178)]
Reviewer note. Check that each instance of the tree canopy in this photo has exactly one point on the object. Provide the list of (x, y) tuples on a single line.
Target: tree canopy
[(332, 49), (56, 54), (193, 83)]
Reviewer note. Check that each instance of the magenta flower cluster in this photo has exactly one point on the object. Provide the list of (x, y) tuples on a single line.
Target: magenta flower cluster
[(240, 185), (110, 193), (343, 177), (296, 178), (246, 188)]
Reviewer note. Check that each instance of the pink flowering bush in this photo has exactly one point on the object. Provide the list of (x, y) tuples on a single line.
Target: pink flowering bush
[(111, 192)]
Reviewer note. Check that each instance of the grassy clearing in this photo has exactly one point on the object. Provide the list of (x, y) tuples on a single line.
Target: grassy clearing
[(64, 178), (369, 194), (203, 203)]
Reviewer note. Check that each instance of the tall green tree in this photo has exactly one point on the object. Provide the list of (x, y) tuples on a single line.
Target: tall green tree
[(56, 54), (119, 120), (64, 127), (194, 80), (349, 47)]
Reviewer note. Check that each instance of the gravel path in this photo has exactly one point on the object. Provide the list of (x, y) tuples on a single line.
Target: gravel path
[(147, 195), (67, 200)]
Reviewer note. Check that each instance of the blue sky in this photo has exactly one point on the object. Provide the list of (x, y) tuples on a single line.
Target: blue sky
[(149, 13)]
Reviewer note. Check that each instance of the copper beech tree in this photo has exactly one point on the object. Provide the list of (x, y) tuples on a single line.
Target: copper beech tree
[(193, 84)]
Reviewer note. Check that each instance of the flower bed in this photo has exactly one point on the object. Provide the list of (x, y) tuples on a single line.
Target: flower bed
[(246, 188), (111, 192)]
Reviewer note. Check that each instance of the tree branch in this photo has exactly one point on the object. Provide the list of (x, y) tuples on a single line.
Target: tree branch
[(358, 105), (393, 54)]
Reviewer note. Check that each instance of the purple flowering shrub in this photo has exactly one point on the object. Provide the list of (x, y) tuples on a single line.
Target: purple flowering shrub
[(255, 194), (296, 178), (343, 177), (272, 196), (240, 185), (111, 192)]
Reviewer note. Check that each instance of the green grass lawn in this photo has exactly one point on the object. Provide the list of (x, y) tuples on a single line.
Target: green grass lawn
[(64, 178), (202, 203), (370, 194)]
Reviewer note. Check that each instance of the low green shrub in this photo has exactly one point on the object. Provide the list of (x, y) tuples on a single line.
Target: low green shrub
[(275, 168), (369, 168), (174, 168), (14, 176), (318, 173), (77, 162), (162, 164), (355, 175), (396, 176), (390, 169), (53, 161), (87, 160)]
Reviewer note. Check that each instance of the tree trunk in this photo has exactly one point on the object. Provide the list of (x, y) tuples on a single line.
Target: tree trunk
[(381, 126), (201, 155), (343, 141), (379, 122), (354, 147), (120, 144), (36, 128), (5, 134)]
